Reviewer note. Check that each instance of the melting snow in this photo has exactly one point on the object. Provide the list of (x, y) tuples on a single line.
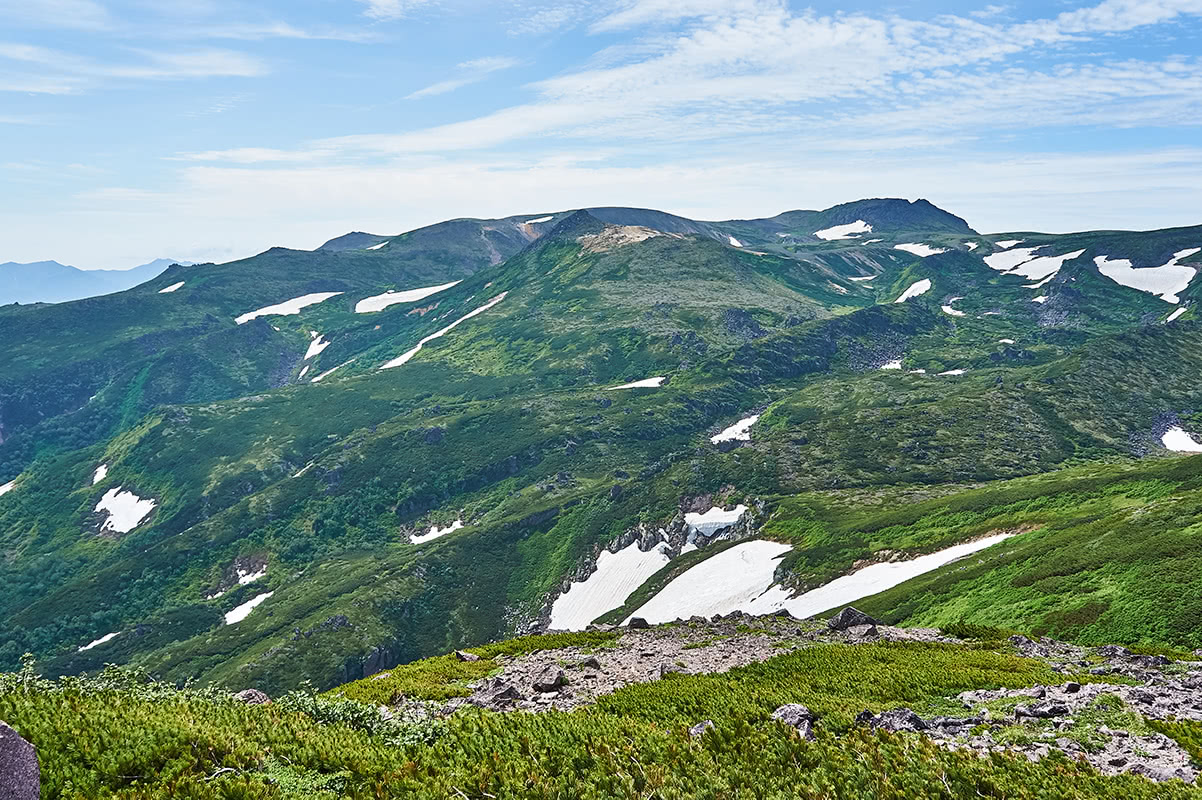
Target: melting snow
[(1004, 262), (1176, 314), (714, 520), (735, 242), (246, 576), (892, 364), (616, 577), (729, 580), (953, 372), (125, 510), (538, 221), (404, 357), (8, 487), (739, 432), (864, 582), (436, 532), (243, 611), (304, 469), (303, 372), (918, 287), (108, 637), (380, 302), (287, 307), (318, 344), (100, 473), (847, 231), (873, 241), (971, 245), (378, 246), (922, 250), (866, 278), (1179, 441), (947, 309), (1040, 284), (646, 383), (1043, 298), (1006, 244), (1005, 341), (173, 287), (1166, 281), (330, 372), (1044, 266)]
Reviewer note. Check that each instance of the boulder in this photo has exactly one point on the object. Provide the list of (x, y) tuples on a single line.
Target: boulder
[(1045, 710), (668, 669), (849, 618), (550, 680), (899, 719), (20, 778), (798, 717), (1072, 687), (592, 662), (463, 655), (252, 697), (701, 727), (1113, 651), (863, 631), (638, 624)]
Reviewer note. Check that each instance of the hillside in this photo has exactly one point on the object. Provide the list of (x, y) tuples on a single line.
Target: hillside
[(318, 465)]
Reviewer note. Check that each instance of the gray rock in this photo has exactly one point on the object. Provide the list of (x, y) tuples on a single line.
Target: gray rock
[(701, 727), (1045, 710), (899, 719), (1113, 651), (1072, 687), (463, 655), (863, 631), (550, 680), (849, 618), (638, 624), (669, 669), (20, 778), (252, 697), (590, 663), (793, 714)]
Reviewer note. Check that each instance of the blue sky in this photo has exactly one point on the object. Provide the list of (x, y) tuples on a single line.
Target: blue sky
[(213, 129)]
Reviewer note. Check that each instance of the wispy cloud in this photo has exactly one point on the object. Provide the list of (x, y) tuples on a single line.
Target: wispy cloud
[(78, 14), (471, 72), (392, 9)]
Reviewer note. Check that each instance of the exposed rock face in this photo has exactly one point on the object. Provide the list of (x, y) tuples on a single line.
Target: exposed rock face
[(463, 655), (850, 618), (20, 778), (253, 697)]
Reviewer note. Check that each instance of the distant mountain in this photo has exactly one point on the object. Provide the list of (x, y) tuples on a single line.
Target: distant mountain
[(52, 282)]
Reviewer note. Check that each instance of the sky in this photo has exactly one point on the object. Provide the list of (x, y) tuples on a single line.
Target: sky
[(210, 130)]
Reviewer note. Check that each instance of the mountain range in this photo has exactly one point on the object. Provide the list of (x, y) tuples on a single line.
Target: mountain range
[(316, 465), (52, 282)]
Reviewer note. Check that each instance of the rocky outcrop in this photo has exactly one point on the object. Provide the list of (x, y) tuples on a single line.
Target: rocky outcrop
[(20, 778), (252, 697)]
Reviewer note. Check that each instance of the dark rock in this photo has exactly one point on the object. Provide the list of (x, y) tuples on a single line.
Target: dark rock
[(699, 620), (1044, 710), (701, 727), (590, 663), (252, 697), (1113, 651), (666, 669), (899, 719), (865, 718), (848, 618), (638, 624), (20, 778), (782, 612), (1072, 687), (1150, 661), (463, 655), (550, 680), (1101, 671)]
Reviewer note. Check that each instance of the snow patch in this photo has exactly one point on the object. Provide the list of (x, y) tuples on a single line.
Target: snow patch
[(245, 576), (847, 231), (304, 469), (404, 357), (380, 302), (1176, 314), (8, 487), (303, 372), (739, 432), (1041, 284), (108, 637), (436, 532), (287, 307), (1044, 266), (125, 510), (735, 242), (538, 221), (1166, 281), (243, 611), (714, 520), (329, 372), (1006, 244), (100, 474), (865, 278), (318, 344), (615, 579), (972, 245), (1004, 262), (864, 582), (953, 372), (1179, 441), (918, 287), (896, 364), (646, 383), (1005, 341), (378, 246), (872, 241), (1043, 298), (727, 581), (921, 250), (947, 309), (172, 288)]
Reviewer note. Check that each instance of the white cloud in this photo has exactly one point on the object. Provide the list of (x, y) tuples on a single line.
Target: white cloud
[(473, 71), (79, 14), (68, 72), (392, 9)]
